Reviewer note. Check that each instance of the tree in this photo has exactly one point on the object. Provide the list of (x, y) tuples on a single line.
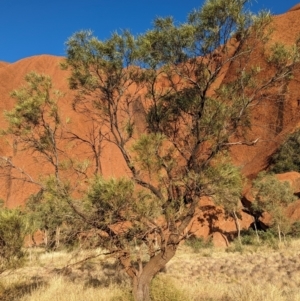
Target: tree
[(49, 211), (36, 124), (273, 196), (35, 120), (93, 140), (12, 234), (191, 119)]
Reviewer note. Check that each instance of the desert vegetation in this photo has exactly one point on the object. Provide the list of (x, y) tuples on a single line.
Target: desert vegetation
[(263, 272), (162, 103), (286, 157)]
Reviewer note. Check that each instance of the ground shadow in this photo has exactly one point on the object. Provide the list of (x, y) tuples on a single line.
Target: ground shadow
[(16, 291)]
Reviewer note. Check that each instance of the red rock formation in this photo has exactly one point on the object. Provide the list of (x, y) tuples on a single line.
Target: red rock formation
[(293, 178), (270, 122), (3, 64), (296, 7)]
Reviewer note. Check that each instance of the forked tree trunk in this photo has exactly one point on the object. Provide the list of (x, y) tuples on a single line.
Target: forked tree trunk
[(142, 281)]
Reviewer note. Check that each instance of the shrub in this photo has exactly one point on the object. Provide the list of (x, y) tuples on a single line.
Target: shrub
[(269, 238), (287, 157), (295, 230), (249, 237), (12, 233), (198, 243)]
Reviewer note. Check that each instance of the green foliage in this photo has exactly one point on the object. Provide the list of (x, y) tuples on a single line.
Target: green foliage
[(295, 230), (273, 196), (249, 238), (268, 238), (116, 207), (282, 56), (226, 183), (12, 234), (198, 243), (49, 210), (35, 119), (111, 198), (35, 122), (116, 199), (287, 157), (146, 150), (270, 193), (32, 102)]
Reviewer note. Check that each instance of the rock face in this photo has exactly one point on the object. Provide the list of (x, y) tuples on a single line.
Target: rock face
[(211, 221), (296, 7), (272, 120), (293, 210), (3, 64), (293, 178), (282, 119)]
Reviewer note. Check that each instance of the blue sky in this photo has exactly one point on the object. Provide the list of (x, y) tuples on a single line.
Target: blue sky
[(32, 27)]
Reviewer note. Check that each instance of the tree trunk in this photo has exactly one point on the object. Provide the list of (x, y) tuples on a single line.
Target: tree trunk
[(256, 232), (141, 291), (33, 240), (46, 238), (284, 239), (142, 281), (237, 224), (57, 237), (279, 233)]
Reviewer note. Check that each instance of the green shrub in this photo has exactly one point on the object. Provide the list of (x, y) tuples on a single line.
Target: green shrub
[(295, 230), (287, 157), (198, 243), (249, 237), (268, 238), (12, 234)]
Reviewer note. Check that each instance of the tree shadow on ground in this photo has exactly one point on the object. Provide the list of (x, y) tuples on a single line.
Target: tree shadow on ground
[(93, 274), (18, 290)]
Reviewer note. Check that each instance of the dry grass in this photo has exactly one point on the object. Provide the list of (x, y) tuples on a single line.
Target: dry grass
[(213, 274), (61, 289)]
